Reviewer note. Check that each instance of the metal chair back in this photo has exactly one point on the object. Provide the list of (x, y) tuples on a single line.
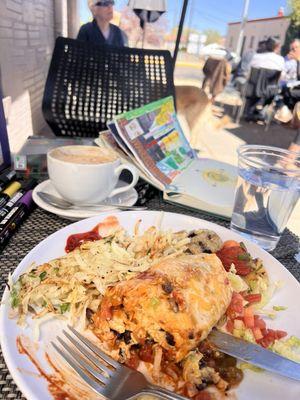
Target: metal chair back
[(88, 85), (261, 83)]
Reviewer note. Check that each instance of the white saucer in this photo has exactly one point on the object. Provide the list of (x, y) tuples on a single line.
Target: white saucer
[(128, 198)]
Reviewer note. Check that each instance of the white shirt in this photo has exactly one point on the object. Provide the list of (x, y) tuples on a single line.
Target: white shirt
[(290, 71), (268, 60)]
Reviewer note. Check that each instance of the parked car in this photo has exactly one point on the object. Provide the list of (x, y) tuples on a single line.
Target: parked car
[(217, 50)]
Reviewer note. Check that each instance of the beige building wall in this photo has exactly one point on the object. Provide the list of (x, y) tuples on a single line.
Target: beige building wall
[(28, 29), (257, 30)]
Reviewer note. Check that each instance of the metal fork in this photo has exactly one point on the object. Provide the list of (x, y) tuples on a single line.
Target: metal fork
[(105, 375)]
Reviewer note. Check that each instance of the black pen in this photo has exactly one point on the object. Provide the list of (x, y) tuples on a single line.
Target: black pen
[(6, 178), (7, 194), (27, 185), (15, 217)]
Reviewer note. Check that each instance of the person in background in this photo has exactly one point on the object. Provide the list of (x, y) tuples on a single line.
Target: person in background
[(289, 101), (271, 58), (290, 85), (243, 69), (261, 47), (100, 31), (291, 70), (268, 67), (295, 145)]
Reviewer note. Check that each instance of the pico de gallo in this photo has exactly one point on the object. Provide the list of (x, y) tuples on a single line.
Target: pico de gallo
[(250, 284)]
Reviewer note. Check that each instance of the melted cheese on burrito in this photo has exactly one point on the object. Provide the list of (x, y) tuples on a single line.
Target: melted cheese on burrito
[(175, 303)]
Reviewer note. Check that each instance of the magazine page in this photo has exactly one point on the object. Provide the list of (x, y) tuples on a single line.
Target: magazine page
[(154, 136), (122, 146), (208, 185), (106, 139), (119, 141)]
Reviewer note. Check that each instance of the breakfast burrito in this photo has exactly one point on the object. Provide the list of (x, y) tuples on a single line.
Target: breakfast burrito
[(173, 305)]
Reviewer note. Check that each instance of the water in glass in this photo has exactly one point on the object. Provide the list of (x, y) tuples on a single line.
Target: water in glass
[(265, 198)]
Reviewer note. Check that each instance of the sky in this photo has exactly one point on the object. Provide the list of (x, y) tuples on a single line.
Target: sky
[(207, 14)]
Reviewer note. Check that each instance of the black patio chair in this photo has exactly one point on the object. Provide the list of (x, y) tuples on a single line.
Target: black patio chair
[(88, 85), (261, 88)]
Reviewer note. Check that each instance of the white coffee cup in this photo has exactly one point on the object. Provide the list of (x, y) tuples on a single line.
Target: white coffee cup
[(87, 174)]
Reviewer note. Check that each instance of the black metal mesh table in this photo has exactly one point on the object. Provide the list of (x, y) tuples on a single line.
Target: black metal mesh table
[(41, 224)]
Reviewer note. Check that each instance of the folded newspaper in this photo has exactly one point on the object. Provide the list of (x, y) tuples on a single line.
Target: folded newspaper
[(152, 139)]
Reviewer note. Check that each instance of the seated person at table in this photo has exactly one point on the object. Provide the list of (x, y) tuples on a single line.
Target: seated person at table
[(100, 31), (291, 76), (270, 59), (243, 69), (290, 72), (295, 145), (290, 84), (272, 64)]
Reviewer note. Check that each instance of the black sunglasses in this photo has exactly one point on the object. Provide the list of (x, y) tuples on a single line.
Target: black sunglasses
[(105, 3)]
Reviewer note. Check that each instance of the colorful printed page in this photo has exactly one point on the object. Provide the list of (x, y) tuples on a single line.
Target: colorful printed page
[(154, 136)]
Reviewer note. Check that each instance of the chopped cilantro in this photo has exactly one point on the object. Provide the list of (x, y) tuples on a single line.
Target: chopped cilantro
[(154, 302), (43, 275), (64, 307), (279, 308), (244, 257), (14, 298), (243, 246)]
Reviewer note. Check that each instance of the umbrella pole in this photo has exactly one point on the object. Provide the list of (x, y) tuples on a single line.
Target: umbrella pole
[(179, 33)]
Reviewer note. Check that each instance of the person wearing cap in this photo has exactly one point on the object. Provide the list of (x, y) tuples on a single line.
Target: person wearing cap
[(100, 31)]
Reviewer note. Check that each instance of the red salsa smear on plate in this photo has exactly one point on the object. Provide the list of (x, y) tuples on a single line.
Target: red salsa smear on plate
[(77, 239), (54, 383)]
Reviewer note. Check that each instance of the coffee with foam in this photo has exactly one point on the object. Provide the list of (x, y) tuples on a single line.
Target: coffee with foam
[(84, 155), (87, 174)]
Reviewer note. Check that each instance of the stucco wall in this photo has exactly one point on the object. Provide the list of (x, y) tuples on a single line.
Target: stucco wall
[(257, 30)]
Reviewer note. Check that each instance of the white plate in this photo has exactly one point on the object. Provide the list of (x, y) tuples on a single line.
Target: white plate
[(128, 198), (254, 386)]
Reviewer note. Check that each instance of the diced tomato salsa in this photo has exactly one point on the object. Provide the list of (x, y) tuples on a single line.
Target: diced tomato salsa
[(237, 311), (237, 255), (240, 313), (253, 298)]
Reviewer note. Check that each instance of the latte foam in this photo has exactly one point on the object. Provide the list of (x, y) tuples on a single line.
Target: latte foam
[(84, 154)]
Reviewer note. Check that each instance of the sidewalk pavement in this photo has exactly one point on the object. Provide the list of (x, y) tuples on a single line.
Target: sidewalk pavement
[(190, 64)]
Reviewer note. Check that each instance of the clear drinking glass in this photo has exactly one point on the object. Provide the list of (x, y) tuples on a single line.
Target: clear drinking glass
[(267, 191)]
